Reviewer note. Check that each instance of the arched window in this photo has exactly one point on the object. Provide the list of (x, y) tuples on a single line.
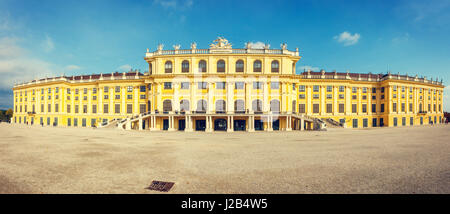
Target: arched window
[(202, 66), (185, 66), (275, 106), (275, 66), (257, 105), (168, 67), (184, 105), (240, 66), (257, 66), (220, 66), (220, 106), (239, 106), (202, 106), (167, 105)]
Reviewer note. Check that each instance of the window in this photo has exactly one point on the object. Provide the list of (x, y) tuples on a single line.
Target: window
[(257, 85), (202, 85), (130, 89), (382, 108), (184, 105), (76, 109), (274, 85), (315, 96), (374, 90), (85, 109), (239, 85), (185, 66), (374, 97), (50, 90), (403, 88), (42, 107), (117, 108), (364, 90), (105, 89), (341, 107), (75, 121), (129, 96), (220, 106), (382, 96), (105, 108), (403, 121), (403, 107), (257, 105), (410, 107), (117, 89), (316, 108), (301, 108), (316, 88), (141, 108), (329, 96), (341, 96), (293, 86), (94, 90), (68, 91), (374, 108), (394, 95), (83, 122), (275, 66), (364, 108), (220, 66), (395, 88), (301, 96), (94, 97), (85, 98), (354, 108), (94, 109), (354, 97), (202, 66), (84, 90), (411, 121), (167, 85), (202, 106), (341, 88), (142, 96), (240, 66), (105, 97), (354, 90), (68, 122), (185, 85), (329, 108), (56, 107), (365, 123), (275, 106), (394, 106), (49, 108), (168, 67), (301, 88), (364, 97), (257, 66), (355, 123), (129, 108), (329, 88), (142, 88), (382, 89), (117, 97), (220, 85)]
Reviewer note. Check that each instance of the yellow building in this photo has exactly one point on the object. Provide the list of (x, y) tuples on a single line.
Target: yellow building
[(228, 89)]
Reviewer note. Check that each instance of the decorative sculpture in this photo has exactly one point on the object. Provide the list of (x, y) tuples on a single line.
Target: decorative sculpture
[(176, 47), (284, 46), (160, 47), (193, 45), (220, 43)]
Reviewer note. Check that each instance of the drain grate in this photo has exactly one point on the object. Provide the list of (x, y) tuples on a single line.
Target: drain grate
[(161, 186)]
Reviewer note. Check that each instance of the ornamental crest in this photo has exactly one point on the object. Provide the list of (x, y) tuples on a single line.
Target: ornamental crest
[(220, 43)]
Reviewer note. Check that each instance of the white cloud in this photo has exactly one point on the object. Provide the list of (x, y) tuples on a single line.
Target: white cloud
[(124, 68), (16, 64), (72, 67), (403, 38), (447, 98), (48, 45), (257, 45), (347, 38), (307, 67)]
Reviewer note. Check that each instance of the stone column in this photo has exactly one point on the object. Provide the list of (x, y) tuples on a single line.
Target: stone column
[(308, 100), (171, 123), (266, 105), (289, 125), (302, 124), (140, 123), (269, 123), (250, 123), (176, 100)]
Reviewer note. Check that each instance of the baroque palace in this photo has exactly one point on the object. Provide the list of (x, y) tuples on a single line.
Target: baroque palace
[(227, 89)]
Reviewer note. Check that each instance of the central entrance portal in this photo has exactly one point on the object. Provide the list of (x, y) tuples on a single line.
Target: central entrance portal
[(220, 125), (181, 125), (276, 125), (239, 125), (200, 125), (165, 124)]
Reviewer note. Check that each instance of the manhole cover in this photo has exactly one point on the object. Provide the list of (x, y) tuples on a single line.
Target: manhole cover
[(161, 186)]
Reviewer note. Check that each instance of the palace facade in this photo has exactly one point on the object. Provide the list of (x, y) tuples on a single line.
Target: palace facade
[(222, 88)]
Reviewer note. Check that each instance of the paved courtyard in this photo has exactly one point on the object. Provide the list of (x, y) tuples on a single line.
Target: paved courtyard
[(86, 160)]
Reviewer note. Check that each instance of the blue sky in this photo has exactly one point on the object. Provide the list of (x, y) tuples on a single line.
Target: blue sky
[(48, 38)]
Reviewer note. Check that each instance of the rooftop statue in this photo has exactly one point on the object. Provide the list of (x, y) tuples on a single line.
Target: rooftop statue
[(220, 43)]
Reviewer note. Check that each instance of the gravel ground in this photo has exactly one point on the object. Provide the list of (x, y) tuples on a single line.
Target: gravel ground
[(85, 160)]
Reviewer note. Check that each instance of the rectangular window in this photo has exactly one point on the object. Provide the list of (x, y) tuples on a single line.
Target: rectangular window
[(394, 106), (403, 107), (410, 107), (403, 121), (84, 90), (364, 108), (355, 123), (364, 90), (117, 97), (301, 88), (354, 108), (129, 96), (105, 97), (341, 107), (130, 89), (274, 85), (141, 108), (142, 96), (202, 85), (129, 108), (220, 85), (329, 88), (93, 122), (167, 85), (411, 121), (354, 97), (395, 88), (316, 108), (117, 108), (382, 108), (142, 88), (374, 122), (341, 96), (301, 108), (94, 90), (329, 108), (301, 96), (329, 96), (76, 109), (94, 109), (341, 88), (94, 97), (42, 107), (257, 85), (364, 97), (68, 122), (68, 97), (85, 98), (354, 90), (374, 90), (83, 122), (56, 107), (105, 89), (315, 96), (239, 85), (185, 85), (75, 121), (105, 108), (374, 108), (374, 97), (49, 108), (365, 123), (84, 109), (394, 95), (117, 89), (316, 88)]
